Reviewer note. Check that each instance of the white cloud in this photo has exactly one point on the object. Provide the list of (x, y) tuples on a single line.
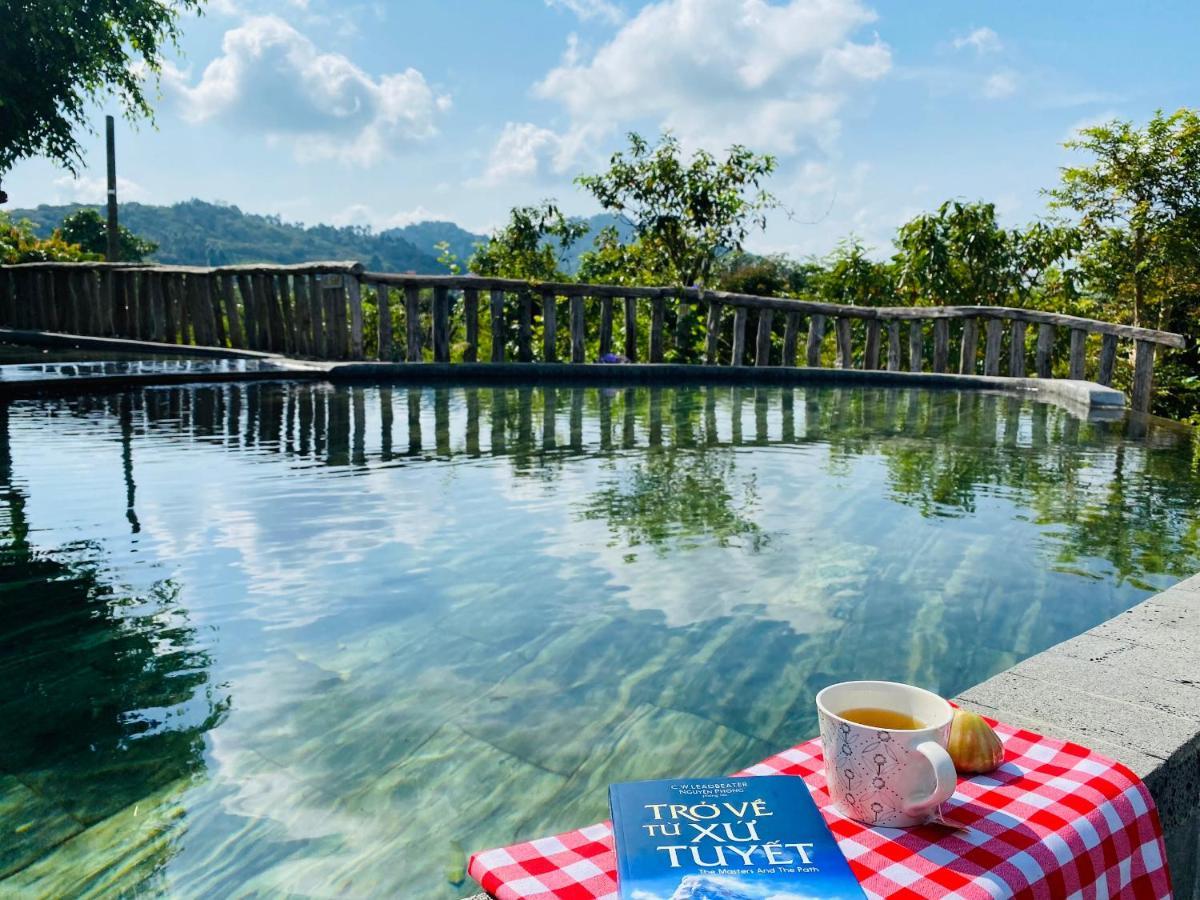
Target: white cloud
[(1000, 85), (271, 79), (94, 189), (773, 76), (524, 149), (981, 40), (591, 9)]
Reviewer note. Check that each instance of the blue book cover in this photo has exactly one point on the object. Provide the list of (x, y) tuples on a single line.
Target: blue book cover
[(725, 839)]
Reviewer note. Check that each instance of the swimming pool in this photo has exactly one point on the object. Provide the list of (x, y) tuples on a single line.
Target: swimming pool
[(324, 640)]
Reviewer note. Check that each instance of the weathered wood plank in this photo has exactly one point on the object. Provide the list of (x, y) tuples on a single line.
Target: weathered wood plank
[(762, 343), (739, 335), (172, 287), (871, 347), (631, 328), (339, 318), (471, 322), (657, 317), (893, 359), (578, 329), (316, 306), (916, 346), (1078, 357), (1108, 359), (246, 287), (791, 338), (412, 322), (354, 295), (1143, 376), (1016, 349), (812, 343), (549, 327), (441, 324), (682, 330), (941, 345), (991, 348), (969, 349), (606, 326), (237, 335), (1044, 355), (216, 302), (275, 326), (525, 327), (845, 350), (301, 315), (383, 311), (497, 319), (712, 333)]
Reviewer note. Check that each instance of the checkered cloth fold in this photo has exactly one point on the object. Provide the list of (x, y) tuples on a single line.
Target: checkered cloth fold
[(1056, 820)]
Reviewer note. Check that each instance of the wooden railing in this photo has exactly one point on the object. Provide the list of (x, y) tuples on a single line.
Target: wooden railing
[(332, 310)]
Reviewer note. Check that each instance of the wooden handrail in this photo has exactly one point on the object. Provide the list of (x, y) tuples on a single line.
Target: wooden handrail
[(319, 309)]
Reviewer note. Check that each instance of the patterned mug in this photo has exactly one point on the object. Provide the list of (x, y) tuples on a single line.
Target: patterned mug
[(890, 778)]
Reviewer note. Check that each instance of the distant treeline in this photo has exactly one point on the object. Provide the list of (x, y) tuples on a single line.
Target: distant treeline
[(196, 233)]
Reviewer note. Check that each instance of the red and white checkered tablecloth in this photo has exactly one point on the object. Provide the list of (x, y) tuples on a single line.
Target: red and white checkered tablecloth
[(1056, 820)]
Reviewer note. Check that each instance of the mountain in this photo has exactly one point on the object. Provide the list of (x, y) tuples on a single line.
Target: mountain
[(196, 233), (425, 236)]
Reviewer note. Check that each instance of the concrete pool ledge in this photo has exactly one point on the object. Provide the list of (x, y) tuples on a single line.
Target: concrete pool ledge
[(1130, 689)]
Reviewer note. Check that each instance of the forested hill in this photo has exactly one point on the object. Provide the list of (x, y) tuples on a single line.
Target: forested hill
[(197, 233)]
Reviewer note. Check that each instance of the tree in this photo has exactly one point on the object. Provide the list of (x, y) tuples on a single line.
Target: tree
[(532, 245), (19, 244), (684, 214), (850, 276), (1138, 204), (90, 232), (59, 56)]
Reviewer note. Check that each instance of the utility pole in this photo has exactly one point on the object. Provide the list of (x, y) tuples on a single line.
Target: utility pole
[(114, 241)]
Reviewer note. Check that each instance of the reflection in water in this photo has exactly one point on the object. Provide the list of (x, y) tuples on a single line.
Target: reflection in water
[(286, 638)]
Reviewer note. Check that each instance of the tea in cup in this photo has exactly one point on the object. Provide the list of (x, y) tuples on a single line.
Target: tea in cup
[(885, 751)]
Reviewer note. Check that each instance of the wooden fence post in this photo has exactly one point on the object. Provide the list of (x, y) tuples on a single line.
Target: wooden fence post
[(549, 327), (412, 322), (471, 321), (739, 335), (631, 329), (1078, 358), (812, 343), (893, 360), (578, 329), (762, 343), (497, 317), (970, 347), (1044, 358), (991, 348), (1143, 375), (916, 346), (1016, 349), (606, 326), (1108, 359)]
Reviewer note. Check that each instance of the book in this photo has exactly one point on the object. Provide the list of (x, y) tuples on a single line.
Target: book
[(725, 839)]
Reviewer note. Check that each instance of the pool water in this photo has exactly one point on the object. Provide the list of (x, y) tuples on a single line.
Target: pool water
[(296, 640)]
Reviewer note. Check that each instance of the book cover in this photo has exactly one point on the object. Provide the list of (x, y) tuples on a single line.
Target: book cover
[(725, 839)]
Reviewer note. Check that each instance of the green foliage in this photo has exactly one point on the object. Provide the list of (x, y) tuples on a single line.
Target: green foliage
[(684, 214), (58, 57), (19, 243), (90, 232), (1138, 206), (850, 276), (771, 276), (960, 256), (531, 246)]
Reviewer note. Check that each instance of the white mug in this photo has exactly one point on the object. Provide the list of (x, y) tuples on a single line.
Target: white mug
[(894, 779)]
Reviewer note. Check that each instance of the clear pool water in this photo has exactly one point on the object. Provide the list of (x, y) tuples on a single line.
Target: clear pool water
[(286, 640)]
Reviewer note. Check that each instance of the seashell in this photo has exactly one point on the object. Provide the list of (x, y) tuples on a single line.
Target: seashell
[(973, 746)]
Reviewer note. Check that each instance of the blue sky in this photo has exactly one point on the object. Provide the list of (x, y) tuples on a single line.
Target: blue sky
[(381, 113)]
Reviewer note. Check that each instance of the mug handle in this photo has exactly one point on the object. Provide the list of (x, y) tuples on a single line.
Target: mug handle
[(943, 771)]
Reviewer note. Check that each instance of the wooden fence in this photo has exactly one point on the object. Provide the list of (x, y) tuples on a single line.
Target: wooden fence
[(320, 310)]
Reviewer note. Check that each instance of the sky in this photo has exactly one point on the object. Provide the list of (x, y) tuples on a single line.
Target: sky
[(385, 113)]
